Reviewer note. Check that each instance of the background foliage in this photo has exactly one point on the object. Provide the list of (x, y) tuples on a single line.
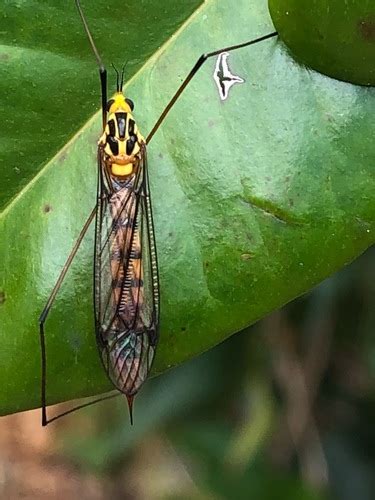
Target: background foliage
[(282, 410)]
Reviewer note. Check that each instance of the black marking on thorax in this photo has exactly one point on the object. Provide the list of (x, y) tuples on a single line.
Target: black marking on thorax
[(130, 143), (111, 137), (121, 124), (112, 128), (131, 127), (113, 144), (119, 127)]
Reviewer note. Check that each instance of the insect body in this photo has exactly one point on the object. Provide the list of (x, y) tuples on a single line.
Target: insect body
[(126, 286), (126, 278)]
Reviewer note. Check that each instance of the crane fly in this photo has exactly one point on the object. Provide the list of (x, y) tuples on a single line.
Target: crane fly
[(126, 283)]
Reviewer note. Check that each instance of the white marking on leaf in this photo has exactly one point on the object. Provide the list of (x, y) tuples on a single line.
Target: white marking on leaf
[(223, 77)]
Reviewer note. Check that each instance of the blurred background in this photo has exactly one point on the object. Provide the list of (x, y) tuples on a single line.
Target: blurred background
[(283, 410)]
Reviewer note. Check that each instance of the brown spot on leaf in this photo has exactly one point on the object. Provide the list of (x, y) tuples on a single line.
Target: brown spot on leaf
[(2, 297), (63, 156), (367, 29), (247, 256), (47, 208)]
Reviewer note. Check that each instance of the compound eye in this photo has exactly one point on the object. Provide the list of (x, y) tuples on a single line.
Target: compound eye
[(109, 104), (130, 102)]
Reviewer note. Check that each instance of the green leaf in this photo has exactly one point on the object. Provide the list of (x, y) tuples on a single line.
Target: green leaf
[(256, 199), (337, 39)]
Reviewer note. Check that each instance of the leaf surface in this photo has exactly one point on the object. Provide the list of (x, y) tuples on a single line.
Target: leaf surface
[(256, 200)]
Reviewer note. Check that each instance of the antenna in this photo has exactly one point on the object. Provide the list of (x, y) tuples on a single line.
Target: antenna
[(122, 75), (117, 78)]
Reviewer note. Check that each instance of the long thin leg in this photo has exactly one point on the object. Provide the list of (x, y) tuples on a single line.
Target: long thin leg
[(203, 58), (102, 69), (103, 84), (83, 405), (44, 314)]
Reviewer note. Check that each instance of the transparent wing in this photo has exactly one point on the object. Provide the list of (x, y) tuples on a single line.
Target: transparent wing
[(126, 278)]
